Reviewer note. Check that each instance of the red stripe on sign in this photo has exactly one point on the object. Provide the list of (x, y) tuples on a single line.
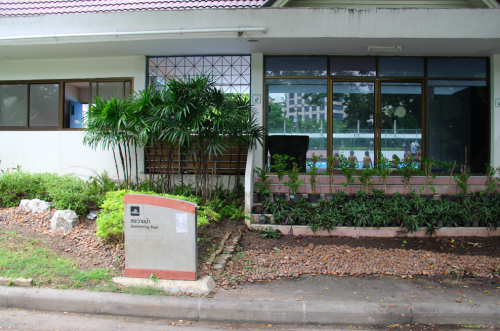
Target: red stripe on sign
[(152, 200), (163, 274)]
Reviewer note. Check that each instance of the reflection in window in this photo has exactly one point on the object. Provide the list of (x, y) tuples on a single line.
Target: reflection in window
[(459, 118), (296, 66), (352, 121), (287, 133), (353, 66), (401, 66), (457, 67), (44, 105), (401, 107), (14, 105)]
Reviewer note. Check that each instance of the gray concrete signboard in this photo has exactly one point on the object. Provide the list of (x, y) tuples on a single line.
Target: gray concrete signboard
[(160, 237)]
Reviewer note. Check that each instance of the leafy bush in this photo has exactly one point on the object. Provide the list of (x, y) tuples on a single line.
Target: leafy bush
[(111, 218), (64, 191)]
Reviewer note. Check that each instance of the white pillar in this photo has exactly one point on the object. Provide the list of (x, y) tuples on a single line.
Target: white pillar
[(495, 110), (257, 88)]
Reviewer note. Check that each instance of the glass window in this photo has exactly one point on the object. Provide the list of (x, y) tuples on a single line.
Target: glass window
[(291, 95), (300, 136), (299, 109), (291, 102), (457, 67), (109, 90), (306, 108), (459, 118), (353, 66), (296, 66), (401, 66), (14, 105), (292, 117), (321, 116), (321, 107), (353, 127), (299, 101), (291, 110), (44, 105), (401, 107), (314, 116), (314, 108)]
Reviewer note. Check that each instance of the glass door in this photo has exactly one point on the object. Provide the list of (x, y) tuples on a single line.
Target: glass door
[(353, 116), (400, 118)]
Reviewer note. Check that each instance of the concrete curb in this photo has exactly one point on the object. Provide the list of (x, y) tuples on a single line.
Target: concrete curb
[(199, 309)]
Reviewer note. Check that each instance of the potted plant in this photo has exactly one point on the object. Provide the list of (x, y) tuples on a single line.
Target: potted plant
[(348, 169), (313, 197), (279, 167), (383, 169), (451, 167), (332, 163), (294, 182), (426, 165), (263, 185), (491, 181), (378, 195)]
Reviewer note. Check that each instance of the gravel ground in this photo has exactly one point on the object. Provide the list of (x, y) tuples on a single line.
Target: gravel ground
[(257, 265), (79, 243)]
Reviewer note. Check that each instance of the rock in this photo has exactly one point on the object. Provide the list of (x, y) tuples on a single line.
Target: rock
[(458, 300), (22, 282), (4, 281), (92, 214), (64, 220), (34, 205)]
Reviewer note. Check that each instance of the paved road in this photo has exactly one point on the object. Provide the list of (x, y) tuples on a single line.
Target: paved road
[(20, 319), (369, 289)]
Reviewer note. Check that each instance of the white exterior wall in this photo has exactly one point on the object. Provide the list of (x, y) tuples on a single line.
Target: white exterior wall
[(495, 111), (62, 151), (257, 87)]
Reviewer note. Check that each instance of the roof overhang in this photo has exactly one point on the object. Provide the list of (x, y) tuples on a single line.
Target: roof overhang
[(288, 31)]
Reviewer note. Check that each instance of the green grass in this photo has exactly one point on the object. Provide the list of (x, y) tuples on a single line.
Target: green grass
[(28, 258)]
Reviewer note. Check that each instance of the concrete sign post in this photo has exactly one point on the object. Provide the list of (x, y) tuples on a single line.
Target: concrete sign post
[(160, 237)]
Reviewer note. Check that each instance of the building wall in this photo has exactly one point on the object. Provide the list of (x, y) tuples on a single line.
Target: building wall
[(62, 151), (495, 111)]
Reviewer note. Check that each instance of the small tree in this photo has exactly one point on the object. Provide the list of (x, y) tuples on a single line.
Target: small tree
[(407, 169), (348, 169), (429, 176), (451, 167), (264, 184), (312, 171), (491, 180), (332, 162), (383, 169), (279, 167), (365, 178), (293, 182)]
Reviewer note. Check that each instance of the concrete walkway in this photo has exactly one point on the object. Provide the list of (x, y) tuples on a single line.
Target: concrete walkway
[(321, 300)]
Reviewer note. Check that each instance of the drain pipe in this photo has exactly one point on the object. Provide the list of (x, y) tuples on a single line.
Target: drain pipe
[(239, 31)]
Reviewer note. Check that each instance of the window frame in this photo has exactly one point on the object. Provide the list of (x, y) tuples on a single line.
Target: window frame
[(62, 88), (377, 79)]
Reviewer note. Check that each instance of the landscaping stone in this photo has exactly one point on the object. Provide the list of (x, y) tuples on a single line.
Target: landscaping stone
[(64, 220), (35, 205), (4, 281), (23, 282)]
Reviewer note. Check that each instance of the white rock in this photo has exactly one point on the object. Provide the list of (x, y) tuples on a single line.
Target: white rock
[(64, 220), (35, 205)]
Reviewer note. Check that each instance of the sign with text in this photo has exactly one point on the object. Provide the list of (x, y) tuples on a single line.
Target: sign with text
[(160, 237)]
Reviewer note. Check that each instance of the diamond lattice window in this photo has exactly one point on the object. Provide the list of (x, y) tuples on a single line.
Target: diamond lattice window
[(232, 72)]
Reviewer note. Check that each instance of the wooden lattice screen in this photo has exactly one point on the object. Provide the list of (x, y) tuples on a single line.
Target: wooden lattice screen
[(226, 163)]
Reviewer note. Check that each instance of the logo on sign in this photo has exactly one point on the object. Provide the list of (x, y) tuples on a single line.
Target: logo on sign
[(134, 211)]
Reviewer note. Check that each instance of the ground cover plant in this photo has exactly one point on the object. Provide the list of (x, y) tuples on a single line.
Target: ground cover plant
[(409, 214)]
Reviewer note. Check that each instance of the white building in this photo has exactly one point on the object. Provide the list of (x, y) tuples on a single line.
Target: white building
[(429, 70)]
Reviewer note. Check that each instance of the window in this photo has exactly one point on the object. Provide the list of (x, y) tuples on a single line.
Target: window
[(353, 66), (314, 108), (299, 110), (292, 117), (299, 101), (338, 107), (299, 117), (321, 107), (306, 108), (36, 105), (231, 72), (291, 110), (291, 95), (401, 67), (291, 102), (314, 116), (296, 66), (306, 117), (321, 116)]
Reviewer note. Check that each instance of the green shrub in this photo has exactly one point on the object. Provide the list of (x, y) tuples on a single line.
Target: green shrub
[(111, 218), (64, 191)]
